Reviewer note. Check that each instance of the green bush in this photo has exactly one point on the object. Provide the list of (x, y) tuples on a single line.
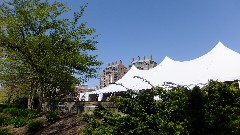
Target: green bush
[(32, 114), (11, 111), (22, 113), (4, 120), (52, 116), (4, 132), (1, 109), (16, 112), (18, 122), (20, 116), (2, 106), (34, 126), (213, 110)]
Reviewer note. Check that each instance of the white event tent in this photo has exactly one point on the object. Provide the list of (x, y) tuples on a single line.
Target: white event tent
[(125, 83), (221, 63)]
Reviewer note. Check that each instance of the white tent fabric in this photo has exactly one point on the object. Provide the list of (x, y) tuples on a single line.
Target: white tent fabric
[(136, 80), (132, 80), (83, 96), (126, 82), (221, 63), (123, 84), (129, 80)]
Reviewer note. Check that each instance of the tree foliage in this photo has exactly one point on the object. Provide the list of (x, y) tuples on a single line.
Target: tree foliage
[(42, 50), (213, 110)]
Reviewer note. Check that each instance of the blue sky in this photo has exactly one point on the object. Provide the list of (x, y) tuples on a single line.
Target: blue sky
[(180, 29)]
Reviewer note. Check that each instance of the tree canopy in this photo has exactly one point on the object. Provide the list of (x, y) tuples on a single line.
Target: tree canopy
[(42, 50)]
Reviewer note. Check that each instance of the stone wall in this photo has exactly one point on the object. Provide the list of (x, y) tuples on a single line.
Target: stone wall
[(76, 107)]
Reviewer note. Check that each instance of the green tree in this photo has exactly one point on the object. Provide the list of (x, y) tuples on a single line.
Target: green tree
[(143, 114), (47, 50), (196, 112), (212, 110), (222, 108)]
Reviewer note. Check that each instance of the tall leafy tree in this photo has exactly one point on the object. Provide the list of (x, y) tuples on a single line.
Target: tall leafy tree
[(43, 49), (222, 108)]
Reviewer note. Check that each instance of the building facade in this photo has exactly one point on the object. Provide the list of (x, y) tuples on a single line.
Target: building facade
[(143, 64), (115, 71), (82, 88), (112, 73)]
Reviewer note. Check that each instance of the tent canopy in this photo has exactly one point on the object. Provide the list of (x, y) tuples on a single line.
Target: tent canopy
[(221, 63)]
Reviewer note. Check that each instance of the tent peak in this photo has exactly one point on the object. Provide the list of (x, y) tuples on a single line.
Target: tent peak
[(168, 58), (133, 67), (219, 47), (220, 44)]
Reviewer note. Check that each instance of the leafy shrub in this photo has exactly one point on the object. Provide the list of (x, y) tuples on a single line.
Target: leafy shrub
[(4, 120), (213, 109), (19, 122), (1, 109), (4, 132), (15, 112), (22, 113), (34, 126), (32, 114), (2, 106), (12, 111), (52, 116)]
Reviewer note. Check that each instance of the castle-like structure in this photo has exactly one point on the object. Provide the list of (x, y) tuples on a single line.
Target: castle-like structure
[(144, 64), (116, 70), (112, 73)]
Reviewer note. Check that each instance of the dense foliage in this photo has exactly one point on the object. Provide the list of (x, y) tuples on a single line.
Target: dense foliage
[(18, 112), (42, 53), (16, 116), (34, 126), (52, 116), (4, 132), (212, 110)]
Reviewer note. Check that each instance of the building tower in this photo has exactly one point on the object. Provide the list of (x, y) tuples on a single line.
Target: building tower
[(144, 64), (112, 73), (116, 70)]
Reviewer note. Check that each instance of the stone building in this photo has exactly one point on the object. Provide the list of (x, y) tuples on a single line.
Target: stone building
[(82, 88), (115, 71), (144, 64), (112, 73)]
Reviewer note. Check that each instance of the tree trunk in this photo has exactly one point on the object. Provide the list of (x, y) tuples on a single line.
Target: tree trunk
[(30, 96), (41, 95), (9, 97), (29, 101)]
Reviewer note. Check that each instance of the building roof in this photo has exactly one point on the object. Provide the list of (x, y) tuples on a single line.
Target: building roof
[(136, 61)]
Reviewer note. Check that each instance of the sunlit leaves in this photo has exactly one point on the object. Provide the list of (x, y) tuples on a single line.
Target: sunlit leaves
[(53, 49)]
